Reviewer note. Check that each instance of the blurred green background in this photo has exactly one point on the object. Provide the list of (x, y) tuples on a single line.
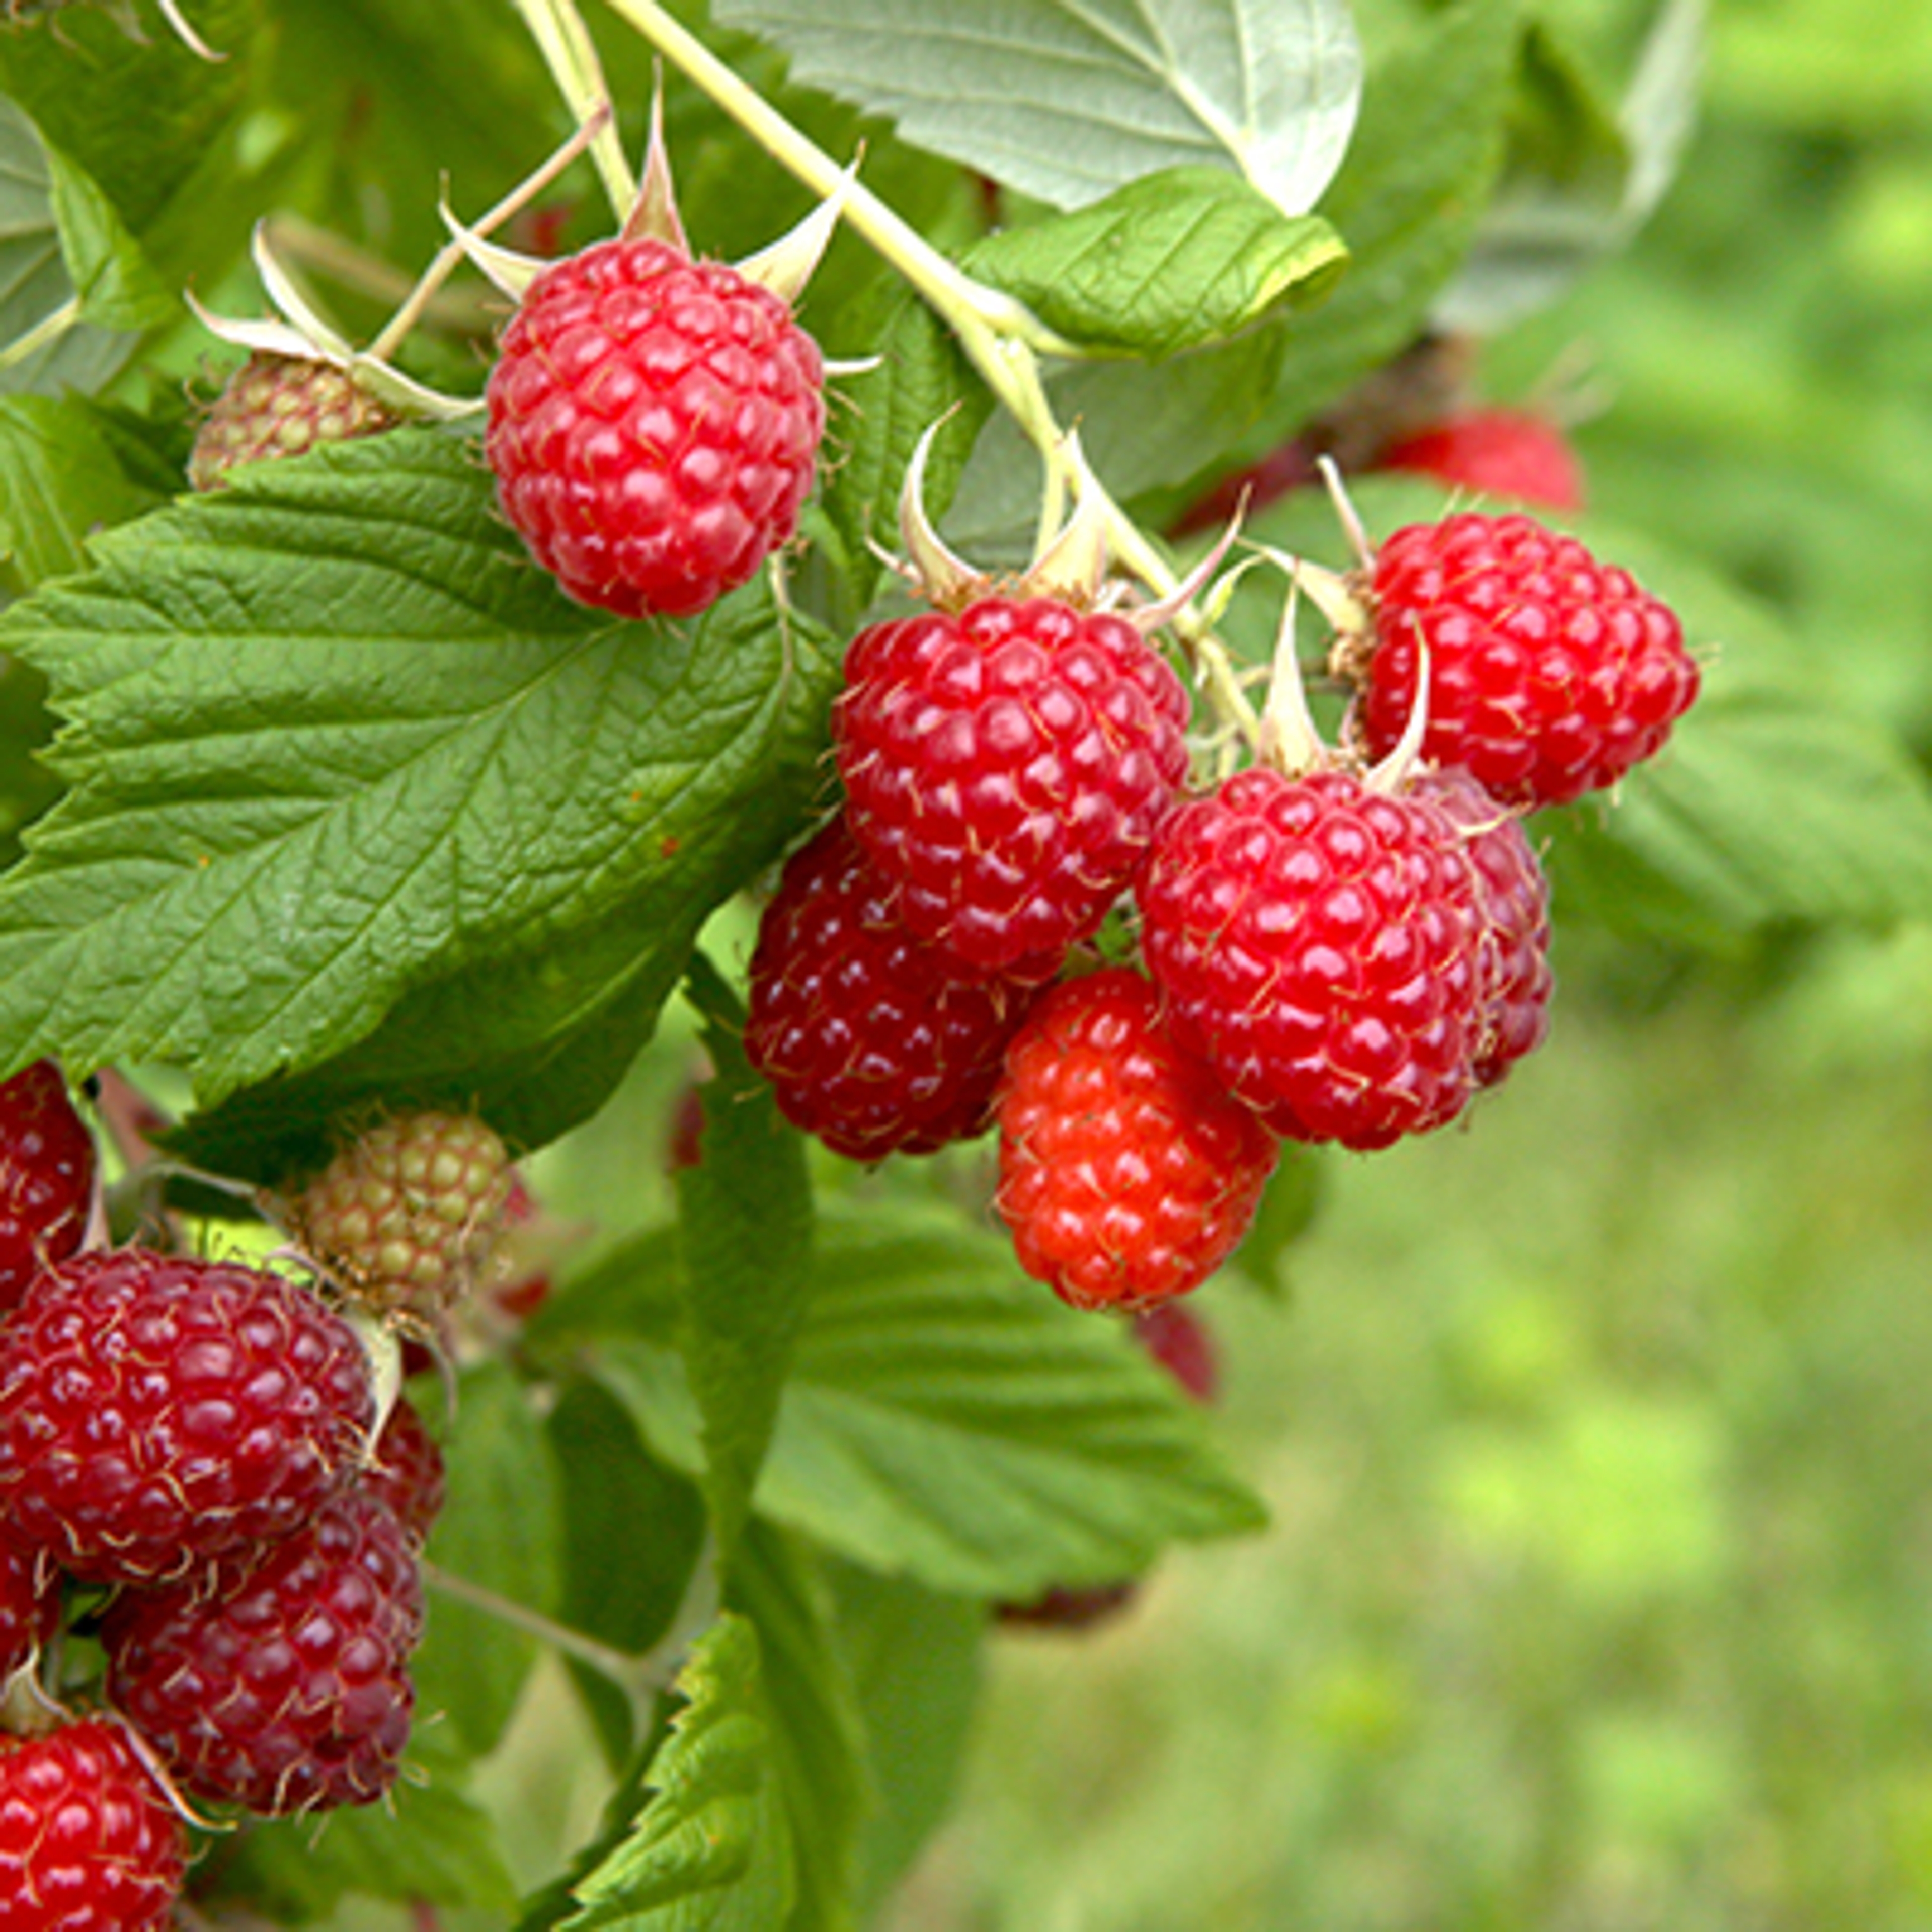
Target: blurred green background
[(1600, 1592)]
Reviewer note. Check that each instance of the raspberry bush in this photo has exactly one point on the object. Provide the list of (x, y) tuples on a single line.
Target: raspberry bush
[(698, 644)]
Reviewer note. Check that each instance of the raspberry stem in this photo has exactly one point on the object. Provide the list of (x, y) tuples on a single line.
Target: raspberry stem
[(571, 55)]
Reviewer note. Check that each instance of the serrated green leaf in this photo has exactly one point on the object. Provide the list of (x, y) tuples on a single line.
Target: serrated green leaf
[(1067, 100), (431, 1841), (500, 1530), (817, 1732), (1408, 197), (113, 281), (333, 739), (1172, 261), (745, 1224), (711, 1851), (946, 1419), (63, 474)]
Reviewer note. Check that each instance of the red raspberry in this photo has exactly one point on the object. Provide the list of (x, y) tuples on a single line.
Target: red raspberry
[(280, 1684), (29, 1607), (156, 1411), (1178, 1339), (872, 1041), (1006, 768), (653, 425), (1316, 943), (410, 1213), (407, 1472), (1550, 674), (277, 406), (1494, 452), (1512, 899), (88, 1841), (47, 1165), (1126, 1174)]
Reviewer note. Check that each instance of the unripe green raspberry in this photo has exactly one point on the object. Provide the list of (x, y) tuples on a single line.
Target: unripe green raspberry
[(408, 1215), (282, 405)]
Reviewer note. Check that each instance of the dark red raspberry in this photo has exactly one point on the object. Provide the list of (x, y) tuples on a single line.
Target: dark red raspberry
[(406, 1470), (1179, 1340), (877, 1043), (653, 426), (276, 405), (88, 1841), (1550, 674), (1006, 768), (1493, 452), (1513, 899), (29, 1604), (1127, 1175), (1316, 942), (282, 1684), (47, 1165), (155, 1412)]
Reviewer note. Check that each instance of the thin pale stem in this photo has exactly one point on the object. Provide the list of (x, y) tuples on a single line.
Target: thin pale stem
[(571, 55)]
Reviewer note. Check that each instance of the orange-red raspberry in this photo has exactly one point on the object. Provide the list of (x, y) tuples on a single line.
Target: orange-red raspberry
[(1006, 769), (654, 425), (1316, 942), (1493, 451), (1126, 1174), (1550, 674)]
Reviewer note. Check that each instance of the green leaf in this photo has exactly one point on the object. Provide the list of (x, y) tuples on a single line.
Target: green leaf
[(1408, 197), (44, 345), (334, 742), (430, 1841), (712, 1848), (915, 1660), (1067, 100), (113, 281), (1170, 261), (499, 1529), (816, 1731), (745, 1222), (946, 1419)]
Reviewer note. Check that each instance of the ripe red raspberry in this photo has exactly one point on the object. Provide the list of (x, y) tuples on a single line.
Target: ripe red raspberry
[(1513, 900), (1315, 941), (408, 1214), (1550, 674), (155, 1412), (1493, 452), (875, 1042), (47, 1165), (88, 1841), (653, 425), (1127, 1175), (1005, 768), (280, 1684), (282, 405), (29, 1605), (406, 1470)]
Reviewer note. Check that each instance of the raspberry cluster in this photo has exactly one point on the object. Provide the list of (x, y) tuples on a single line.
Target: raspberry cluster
[(190, 1460), (1334, 946)]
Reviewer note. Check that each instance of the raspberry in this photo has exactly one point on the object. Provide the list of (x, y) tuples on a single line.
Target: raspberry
[(874, 1041), (277, 406), (654, 423), (1550, 674), (1006, 769), (1513, 899), (408, 1214), (47, 1165), (1126, 1174), (1316, 942), (1493, 452), (29, 1607), (281, 1684), (88, 1842), (406, 1472), (156, 1411), (1178, 1338)]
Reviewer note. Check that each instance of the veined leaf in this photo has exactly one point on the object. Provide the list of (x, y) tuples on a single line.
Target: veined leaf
[(1172, 261), (945, 1419), (1067, 100), (712, 1847), (332, 739)]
